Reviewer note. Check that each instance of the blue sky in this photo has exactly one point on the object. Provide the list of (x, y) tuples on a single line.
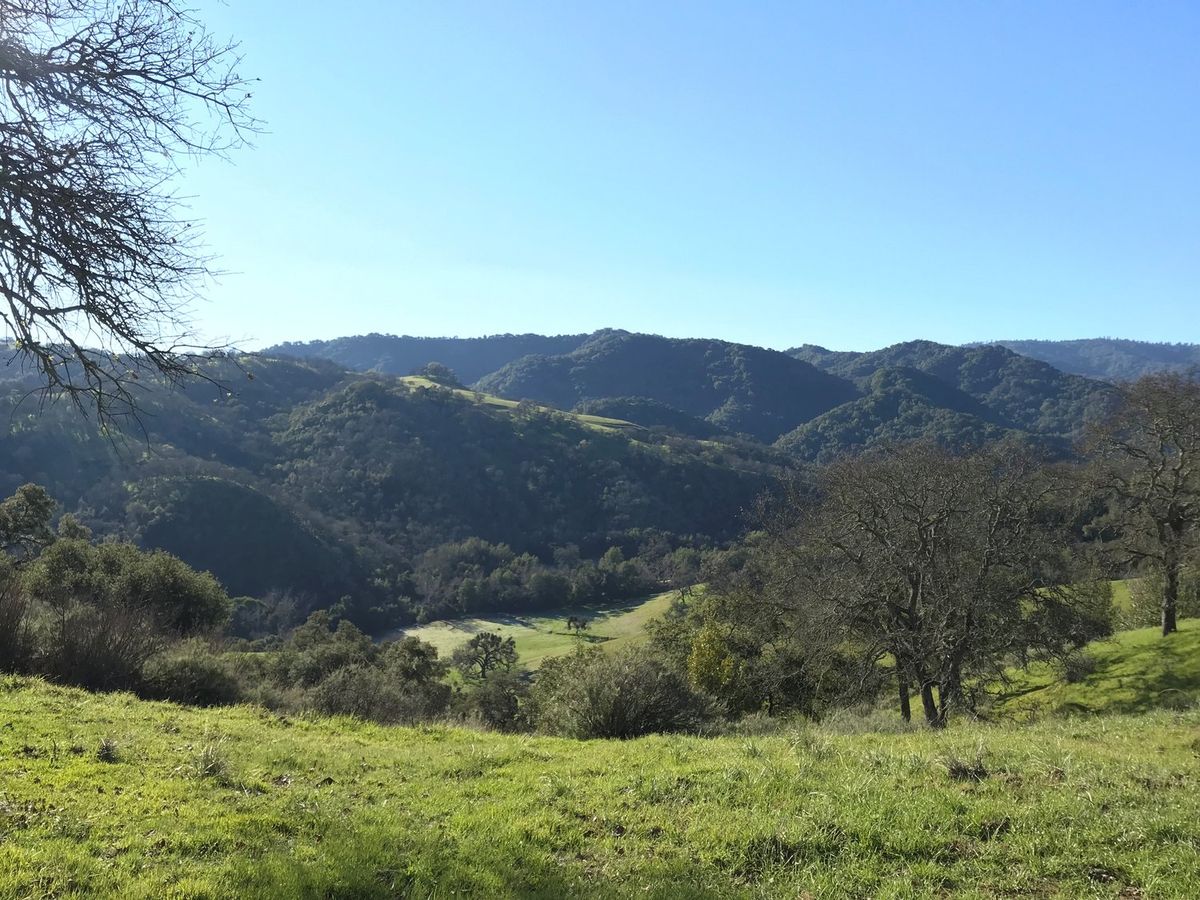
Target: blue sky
[(847, 174)]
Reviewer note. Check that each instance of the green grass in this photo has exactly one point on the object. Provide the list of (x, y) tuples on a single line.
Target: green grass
[(1121, 596), (1134, 671), (542, 636), (243, 803), (598, 423)]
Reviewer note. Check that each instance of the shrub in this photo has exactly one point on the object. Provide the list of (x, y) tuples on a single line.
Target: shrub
[(15, 635), (366, 692), (497, 701), (1077, 667), (191, 674), (592, 694)]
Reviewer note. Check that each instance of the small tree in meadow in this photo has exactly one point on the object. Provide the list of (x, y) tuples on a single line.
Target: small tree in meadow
[(485, 653)]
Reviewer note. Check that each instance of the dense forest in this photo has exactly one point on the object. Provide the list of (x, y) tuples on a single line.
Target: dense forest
[(306, 485)]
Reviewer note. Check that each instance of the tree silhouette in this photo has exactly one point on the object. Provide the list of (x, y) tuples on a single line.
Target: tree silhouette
[(99, 100)]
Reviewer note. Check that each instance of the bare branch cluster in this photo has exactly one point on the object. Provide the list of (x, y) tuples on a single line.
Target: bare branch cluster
[(99, 99)]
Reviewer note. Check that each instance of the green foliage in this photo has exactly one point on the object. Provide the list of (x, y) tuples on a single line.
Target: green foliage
[(338, 670), (484, 654), (190, 673), (106, 609), (592, 694), (439, 374), (737, 388), (25, 521), (497, 701)]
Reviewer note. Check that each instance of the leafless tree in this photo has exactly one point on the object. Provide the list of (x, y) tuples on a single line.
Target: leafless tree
[(1146, 462), (99, 101), (944, 566)]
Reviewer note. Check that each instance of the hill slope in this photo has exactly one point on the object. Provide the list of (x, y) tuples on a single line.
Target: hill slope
[(990, 384), (470, 358), (1110, 359), (741, 389), (244, 803), (307, 480), (1133, 671)]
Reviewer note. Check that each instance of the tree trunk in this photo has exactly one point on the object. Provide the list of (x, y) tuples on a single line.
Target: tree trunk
[(1170, 597), (951, 694), (933, 717), (905, 705)]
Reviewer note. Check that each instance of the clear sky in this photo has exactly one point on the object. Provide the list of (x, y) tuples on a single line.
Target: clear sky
[(848, 174)]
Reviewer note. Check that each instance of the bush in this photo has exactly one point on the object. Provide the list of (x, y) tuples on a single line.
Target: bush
[(15, 635), (592, 694), (497, 702), (367, 692), (191, 674), (1077, 667)]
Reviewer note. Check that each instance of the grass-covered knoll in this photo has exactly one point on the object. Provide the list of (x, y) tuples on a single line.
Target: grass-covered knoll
[(242, 803), (546, 634), (600, 423), (1130, 672)]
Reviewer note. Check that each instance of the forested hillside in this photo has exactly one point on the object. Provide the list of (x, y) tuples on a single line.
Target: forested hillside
[(393, 498), (958, 395), (740, 389), (816, 404), (302, 482), (471, 358), (1110, 359)]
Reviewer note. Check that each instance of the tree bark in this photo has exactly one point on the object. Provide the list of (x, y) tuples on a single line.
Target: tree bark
[(1170, 597), (905, 705), (951, 694), (933, 716)]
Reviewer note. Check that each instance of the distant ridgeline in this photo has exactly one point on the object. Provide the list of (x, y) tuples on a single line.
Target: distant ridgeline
[(810, 402), (393, 498), (1110, 359), (470, 358)]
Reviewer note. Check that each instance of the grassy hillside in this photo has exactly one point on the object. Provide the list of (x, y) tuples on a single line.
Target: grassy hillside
[(1133, 671), (541, 636), (490, 401), (243, 803)]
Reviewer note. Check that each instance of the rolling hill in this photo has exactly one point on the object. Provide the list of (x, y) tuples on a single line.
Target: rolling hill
[(389, 354), (738, 388), (1110, 359), (302, 480)]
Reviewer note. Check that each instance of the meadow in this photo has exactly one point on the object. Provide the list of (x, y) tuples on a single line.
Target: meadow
[(544, 635), (108, 795)]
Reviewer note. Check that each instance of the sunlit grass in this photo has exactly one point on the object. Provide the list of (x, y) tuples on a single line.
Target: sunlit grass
[(1088, 807), (541, 636), (1131, 672)]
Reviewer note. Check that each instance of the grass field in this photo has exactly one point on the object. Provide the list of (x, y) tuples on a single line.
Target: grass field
[(542, 636), (1134, 671), (243, 803), (600, 423)]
